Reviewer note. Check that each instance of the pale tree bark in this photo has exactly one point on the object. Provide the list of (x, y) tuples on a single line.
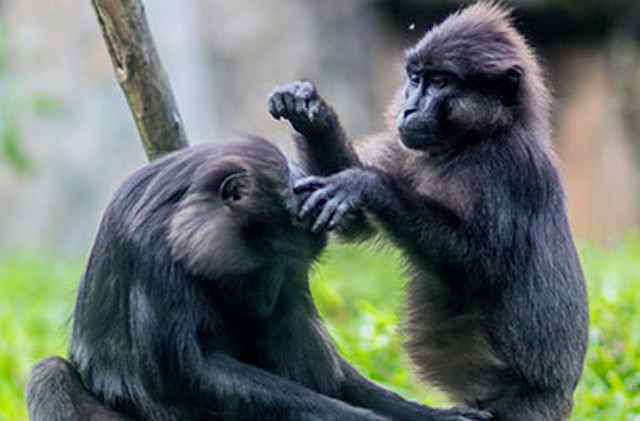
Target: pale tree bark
[(141, 75)]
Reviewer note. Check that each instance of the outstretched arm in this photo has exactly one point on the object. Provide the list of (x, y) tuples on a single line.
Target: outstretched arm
[(419, 222), (359, 391), (230, 384), (231, 387)]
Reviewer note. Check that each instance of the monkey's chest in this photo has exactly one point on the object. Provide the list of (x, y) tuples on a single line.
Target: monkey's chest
[(449, 345)]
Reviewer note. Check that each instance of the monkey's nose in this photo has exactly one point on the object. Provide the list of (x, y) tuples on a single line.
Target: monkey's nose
[(408, 111)]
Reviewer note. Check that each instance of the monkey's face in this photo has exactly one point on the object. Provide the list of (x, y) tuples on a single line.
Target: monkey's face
[(238, 215), (446, 107), (465, 80), (422, 120)]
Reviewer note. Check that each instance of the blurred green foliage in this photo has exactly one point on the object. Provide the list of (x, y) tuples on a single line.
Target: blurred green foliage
[(15, 103), (359, 292)]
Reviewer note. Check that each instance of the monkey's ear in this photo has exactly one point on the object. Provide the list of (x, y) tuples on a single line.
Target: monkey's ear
[(233, 186), (511, 87)]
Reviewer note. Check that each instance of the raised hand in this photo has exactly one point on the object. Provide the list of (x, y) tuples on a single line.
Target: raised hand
[(300, 103)]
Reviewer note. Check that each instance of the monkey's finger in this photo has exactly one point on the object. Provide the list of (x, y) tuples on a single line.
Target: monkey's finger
[(315, 200), (311, 202), (306, 99), (309, 184), (272, 109), (276, 105), (326, 215), (289, 103), (313, 109), (341, 211), (310, 208), (469, 415), (302, 106), (307, 90), (481, 416), (301, 89)]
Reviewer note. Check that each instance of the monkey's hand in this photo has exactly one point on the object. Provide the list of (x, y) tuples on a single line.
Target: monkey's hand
[(332, 198), (308, 113)]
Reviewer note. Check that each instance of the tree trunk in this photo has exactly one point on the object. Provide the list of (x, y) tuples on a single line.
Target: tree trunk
[(141, 75)]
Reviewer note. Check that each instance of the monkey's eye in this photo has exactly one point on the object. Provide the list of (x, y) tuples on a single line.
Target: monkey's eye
[(414, 78), (233, 186), (439, 79)]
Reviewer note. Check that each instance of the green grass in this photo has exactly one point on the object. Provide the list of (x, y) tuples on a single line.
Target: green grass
[(610, 388), (359, 292), (36, 298)]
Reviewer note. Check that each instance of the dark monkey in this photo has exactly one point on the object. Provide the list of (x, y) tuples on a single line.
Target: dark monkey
[(468, 188), (195, 305)]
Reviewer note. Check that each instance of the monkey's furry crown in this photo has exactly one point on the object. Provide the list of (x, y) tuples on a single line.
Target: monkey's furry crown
[(479, 37)]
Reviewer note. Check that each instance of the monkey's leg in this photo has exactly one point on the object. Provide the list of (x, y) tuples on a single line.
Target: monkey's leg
[(359, 391), (322, 145), (55, 393)]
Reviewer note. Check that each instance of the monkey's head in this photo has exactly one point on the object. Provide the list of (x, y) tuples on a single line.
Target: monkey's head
[(218, 210), (239, 212), (468, 77)]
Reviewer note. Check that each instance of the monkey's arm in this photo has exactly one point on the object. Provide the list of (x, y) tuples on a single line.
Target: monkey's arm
[(419, 222), (359, 391), (231, 388), (322, 142)]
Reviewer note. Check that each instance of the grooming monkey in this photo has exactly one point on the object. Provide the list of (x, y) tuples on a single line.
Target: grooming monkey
[(467, 185)]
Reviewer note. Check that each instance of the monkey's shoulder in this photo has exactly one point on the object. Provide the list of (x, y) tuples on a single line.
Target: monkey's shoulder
[(382, 151)]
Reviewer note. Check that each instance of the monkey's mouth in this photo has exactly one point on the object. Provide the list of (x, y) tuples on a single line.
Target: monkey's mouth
[(418, 133), (421, 139)]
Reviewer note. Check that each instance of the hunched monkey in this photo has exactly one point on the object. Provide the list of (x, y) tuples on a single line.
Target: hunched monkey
[(195, 305)]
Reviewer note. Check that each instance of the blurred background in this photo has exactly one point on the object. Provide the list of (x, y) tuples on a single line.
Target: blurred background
[(67, 140)]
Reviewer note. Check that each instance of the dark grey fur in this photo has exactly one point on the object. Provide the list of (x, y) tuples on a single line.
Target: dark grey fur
[(195, 305), (467, 185)]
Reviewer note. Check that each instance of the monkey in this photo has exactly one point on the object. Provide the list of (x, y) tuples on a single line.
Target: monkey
[(195, 304), (467, 185)]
